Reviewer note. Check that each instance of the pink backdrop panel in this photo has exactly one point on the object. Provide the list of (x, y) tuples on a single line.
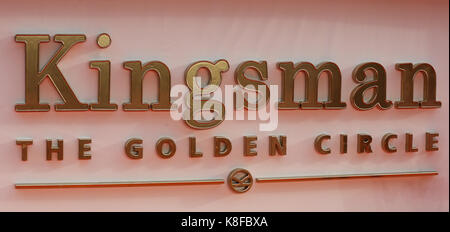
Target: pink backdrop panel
[(179, 33)]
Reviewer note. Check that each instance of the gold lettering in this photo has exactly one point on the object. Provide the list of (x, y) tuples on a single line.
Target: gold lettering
[(104, 86), (215, 71), (311, 85), (244, 82), (429, 88), (343, 143), (24, 145), (83, 147), (218, 150), (364, 141), (385, 143), (33, 78), (430, 141), (409, 146), (318, 144), (249, 145), (378, 84), (170, 143), (193, 148), (134, 149), (277, 145), (136, 92), (59, 149)]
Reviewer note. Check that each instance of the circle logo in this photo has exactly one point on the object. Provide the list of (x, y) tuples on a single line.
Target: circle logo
[(103, 40), (240, 180)]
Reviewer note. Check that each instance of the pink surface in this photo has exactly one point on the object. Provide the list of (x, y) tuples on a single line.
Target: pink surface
[(179, 33)]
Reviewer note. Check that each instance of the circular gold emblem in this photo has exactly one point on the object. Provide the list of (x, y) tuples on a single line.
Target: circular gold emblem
[(240, 180), (104, 40)]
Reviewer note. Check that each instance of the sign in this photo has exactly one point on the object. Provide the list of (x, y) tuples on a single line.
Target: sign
[(207, 107), (196, 99)]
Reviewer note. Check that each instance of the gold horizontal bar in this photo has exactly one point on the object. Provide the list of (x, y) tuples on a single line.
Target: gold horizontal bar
[(341, 176), (96, 184)]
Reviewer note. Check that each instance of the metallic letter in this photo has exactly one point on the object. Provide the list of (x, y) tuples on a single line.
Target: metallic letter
[(409, 146), (134, 149), (378, 84), (385, 143), (59, 149), (276, 145), (311, 86), (193, 148), (160, 144), (218, 141), (243, 81), (215, 71), (33, 78), (249, 145), (104, 87), (364, 141), (429, 145), (24, 144), (318, 144), (343, 143), (429, 88), (137, 77), (83, 147)]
